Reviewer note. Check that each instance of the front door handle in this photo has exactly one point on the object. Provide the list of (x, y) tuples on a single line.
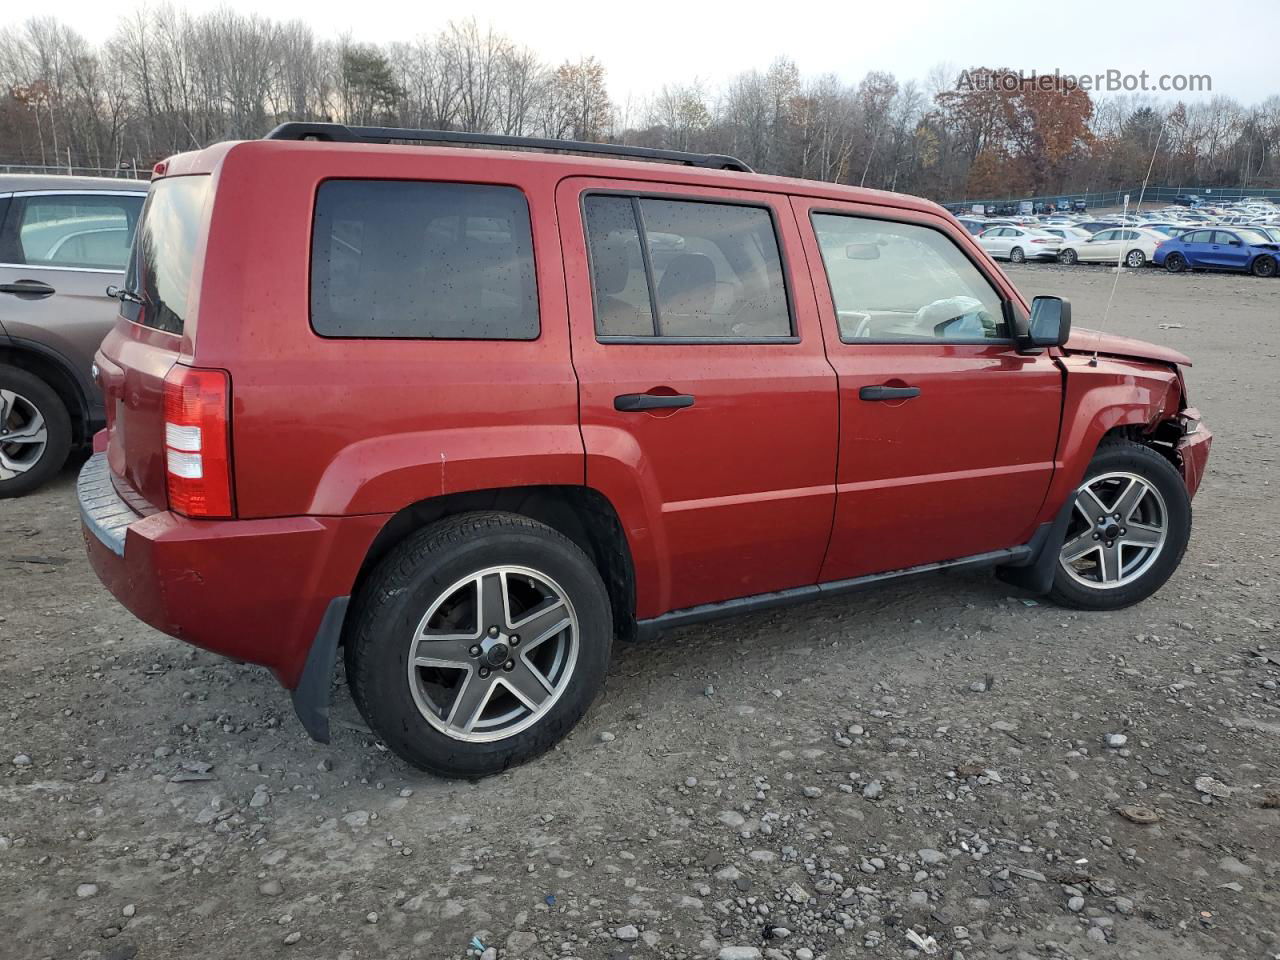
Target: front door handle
[(31, 288), (633, 402), (888, 393)]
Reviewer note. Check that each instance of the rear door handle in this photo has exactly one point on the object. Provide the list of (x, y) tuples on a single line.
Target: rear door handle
[(888, 393), (633, 402), (32, 288)]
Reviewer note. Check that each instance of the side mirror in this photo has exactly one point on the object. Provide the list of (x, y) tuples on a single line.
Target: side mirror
[(1050, 323)]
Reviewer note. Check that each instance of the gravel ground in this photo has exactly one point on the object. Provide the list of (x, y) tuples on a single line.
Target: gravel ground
[(940, 768)]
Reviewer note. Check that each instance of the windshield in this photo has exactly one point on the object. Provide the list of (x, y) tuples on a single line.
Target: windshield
[(163, 257)]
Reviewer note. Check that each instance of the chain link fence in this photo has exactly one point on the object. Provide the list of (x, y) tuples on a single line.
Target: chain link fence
[(122, 172)]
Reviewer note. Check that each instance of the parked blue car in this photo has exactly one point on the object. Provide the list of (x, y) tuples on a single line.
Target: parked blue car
[(1243, 250)]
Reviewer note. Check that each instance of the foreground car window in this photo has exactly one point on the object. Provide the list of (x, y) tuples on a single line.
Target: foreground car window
[(716, 269), (81, 231), (421, 260), (898, 282)]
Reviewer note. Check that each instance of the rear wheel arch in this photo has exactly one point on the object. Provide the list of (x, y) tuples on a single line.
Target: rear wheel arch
[(582, 514)]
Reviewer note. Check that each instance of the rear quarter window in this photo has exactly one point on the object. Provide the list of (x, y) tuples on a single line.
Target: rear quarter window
[(422, 260)]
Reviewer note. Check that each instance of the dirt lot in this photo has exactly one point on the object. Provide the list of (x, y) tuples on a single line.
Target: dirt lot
[(930, 761)]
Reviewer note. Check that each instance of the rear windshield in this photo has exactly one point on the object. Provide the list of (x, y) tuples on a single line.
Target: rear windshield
[(406, 259), (164, 252)]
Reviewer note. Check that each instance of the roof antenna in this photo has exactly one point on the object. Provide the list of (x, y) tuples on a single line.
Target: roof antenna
[(1093, 362)]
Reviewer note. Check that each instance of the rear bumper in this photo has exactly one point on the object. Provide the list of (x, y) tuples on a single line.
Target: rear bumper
[(252, 590)]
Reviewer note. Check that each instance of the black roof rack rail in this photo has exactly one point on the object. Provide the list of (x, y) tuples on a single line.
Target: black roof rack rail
[(341, 133)]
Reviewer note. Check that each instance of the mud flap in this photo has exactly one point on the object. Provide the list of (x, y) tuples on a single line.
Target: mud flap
[(1035, 575), (311, 695)]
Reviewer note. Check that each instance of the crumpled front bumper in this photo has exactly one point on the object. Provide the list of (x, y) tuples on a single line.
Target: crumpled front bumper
[(1193, 449)]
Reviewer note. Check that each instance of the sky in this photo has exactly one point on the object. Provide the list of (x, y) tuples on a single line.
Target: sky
[(644, 45)]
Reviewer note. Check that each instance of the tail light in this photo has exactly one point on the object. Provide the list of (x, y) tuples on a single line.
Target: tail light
[(1041, 240), (197, 442)]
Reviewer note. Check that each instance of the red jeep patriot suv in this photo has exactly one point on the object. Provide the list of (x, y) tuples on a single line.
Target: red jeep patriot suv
[(469, 415)]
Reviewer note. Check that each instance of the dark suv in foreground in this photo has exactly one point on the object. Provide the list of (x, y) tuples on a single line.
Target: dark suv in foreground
[(468, 416), (63, 241)]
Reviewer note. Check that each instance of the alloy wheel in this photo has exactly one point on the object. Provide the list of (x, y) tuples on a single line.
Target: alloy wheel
[(493, 653), (1136, 258), (23, 434), (1118, 528)]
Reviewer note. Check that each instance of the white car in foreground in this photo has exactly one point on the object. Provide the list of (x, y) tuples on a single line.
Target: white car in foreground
[(1017, 244), (1135, 246)]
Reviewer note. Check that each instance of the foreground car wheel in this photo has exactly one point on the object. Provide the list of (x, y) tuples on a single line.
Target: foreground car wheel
[(1135, 259), (478, 643), (1264, 267), (1175, 263), (1016, 255), (35, 432), (1131, 519), (1068, 257)]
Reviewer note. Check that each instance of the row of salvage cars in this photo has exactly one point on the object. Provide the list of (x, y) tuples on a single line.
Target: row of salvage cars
[(1244, 249)]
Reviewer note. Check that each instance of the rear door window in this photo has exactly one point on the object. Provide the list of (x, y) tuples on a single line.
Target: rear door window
[(73, 231), (685, 269), (422, 260)]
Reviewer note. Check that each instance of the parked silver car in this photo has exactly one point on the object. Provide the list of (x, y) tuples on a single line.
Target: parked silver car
[(63, 241)]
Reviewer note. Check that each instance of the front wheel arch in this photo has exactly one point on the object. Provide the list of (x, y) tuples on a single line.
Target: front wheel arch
[(1137, 465)]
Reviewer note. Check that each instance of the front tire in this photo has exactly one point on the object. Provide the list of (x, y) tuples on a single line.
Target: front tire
[(35, 432), (1130, 524), (1264, 266), (478, 643)]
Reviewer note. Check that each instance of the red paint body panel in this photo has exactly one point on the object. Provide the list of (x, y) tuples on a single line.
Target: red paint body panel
[(959, 470), (132, 364), (252, 590), (1115, 393), (342, 426), (1113, 345), (778, 476), (1193, 452), (735, 493)]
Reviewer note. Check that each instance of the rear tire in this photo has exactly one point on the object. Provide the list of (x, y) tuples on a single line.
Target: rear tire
[(1118, 561), (428, 598), (35, 432), (1068, 257), (1264, 266), (1016, 255), (1135, 259), (1175, 263)]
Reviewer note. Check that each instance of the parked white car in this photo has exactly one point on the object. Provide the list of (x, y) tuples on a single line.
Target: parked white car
[(1017, 244), (1135, 245), (1067, 232)]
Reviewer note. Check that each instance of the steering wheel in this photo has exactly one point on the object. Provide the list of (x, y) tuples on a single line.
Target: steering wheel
[(863, 329)]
